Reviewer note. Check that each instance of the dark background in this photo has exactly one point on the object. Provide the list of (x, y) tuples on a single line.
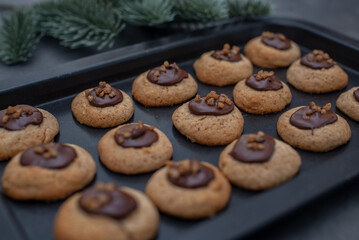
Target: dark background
[(334, 216)]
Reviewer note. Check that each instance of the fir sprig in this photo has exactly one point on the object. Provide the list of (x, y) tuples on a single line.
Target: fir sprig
[(18, 37), (201, 10), (246, 8), (147, 12), (80, 23)]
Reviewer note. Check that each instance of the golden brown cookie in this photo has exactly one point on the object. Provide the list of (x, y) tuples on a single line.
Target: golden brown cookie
[(262, 93), (189, 189), (107, 212), (223, 67), (316, 72), (24, 126), (259, 162), (348, 103), (134, 148), (313, 128), (210, 120), (48, 172), (103, 106), (164, 85), (272, 50)]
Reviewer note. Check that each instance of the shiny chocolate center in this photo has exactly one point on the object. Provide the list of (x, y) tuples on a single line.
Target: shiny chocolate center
[(136, 136), (19, 117)]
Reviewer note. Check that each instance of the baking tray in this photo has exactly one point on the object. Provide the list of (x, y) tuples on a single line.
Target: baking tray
[(247, 211)]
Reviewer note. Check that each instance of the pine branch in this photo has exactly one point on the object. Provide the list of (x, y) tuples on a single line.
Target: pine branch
[(147, 12), (18, 37), (80, 23), (201, 10), (248, 8)]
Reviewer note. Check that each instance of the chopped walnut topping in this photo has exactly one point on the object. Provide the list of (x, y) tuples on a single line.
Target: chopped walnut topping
[(5, 119), (176, 169), (112, 94), (47, 151), (210, 102), (15, 112), (319, 56), (125, 133), (198, 99), (166, 64), (268, 34), (212, 99), (262, 75), (227, 51), (311, 57), (163, 68), (255, 141), (102, 90), (95, 202), (281, 37), (314, 108)]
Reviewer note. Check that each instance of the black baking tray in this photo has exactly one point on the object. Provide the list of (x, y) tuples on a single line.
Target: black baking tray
[(247, 211)]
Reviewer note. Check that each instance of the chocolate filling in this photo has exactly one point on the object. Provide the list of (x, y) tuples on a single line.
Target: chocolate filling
[(136, 135), (317, 60), (275, 40), (189, 174), (211, 104), (356, 94), (108, 200), (49, 155), (167, 74), (312, 117), (19, 117), (264, 81), (227, 54), (104, 96), (253, 148)]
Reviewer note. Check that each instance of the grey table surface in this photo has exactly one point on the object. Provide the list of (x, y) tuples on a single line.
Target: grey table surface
[(334, 216)]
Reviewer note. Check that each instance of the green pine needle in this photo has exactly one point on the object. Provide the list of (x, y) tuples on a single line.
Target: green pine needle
[(248, 8), (80, 23), (201, 10), (147, 12), (18, 37)]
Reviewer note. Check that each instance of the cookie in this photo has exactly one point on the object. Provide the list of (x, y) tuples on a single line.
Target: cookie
[(272, 50), (313, 128), (262, 93), (316, 72), (164, 85), (134, 148), (189, 189), (24, 126), (48, 172), (348, 103), (210, 120), (259, 162), (106, 212), (102, 107), (223, 67)]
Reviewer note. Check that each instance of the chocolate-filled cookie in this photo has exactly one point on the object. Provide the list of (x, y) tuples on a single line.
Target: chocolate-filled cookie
[(189, 189), (223, 67), (209, 120), (316, 72), (258, 162), (313, 128), (262, 93), (134, 148), (348, 103), (107, 211), (272, 50), (102, 107), (48, 172), (23, 126), (164, 85)]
